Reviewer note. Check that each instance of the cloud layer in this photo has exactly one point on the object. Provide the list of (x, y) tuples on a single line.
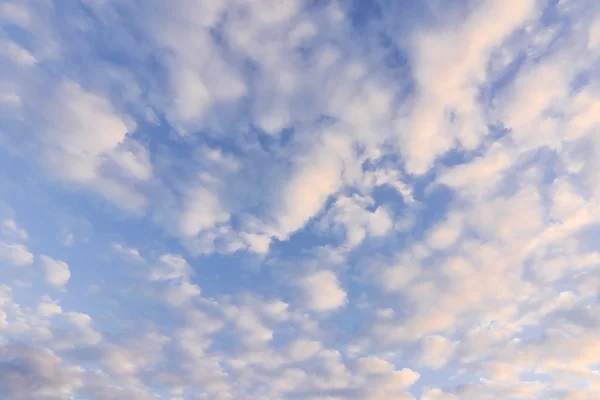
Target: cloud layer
[(299, 200)]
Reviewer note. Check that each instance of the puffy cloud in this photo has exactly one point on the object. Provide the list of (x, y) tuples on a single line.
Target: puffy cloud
[(5, 297), (178, 294), (436, 351), (33, 373), (446, 110), (134, 354), (202, 210), (128, 252), (99, 386), (352, 215), (285, 135), (301, 349), (318, 176), (82, 332), (255, 319), (170, 266), (48, 308), (13, 230), (403, 378), (15, 253), (445, 234), (500, 371), (56, 272), (481, 174), (86, 142), (322, 291), (437, 394), (374, 366)]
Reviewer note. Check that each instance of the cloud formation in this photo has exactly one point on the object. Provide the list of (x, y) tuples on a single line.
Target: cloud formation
[(299, 200)]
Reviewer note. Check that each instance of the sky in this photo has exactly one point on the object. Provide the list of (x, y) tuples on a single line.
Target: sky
[(299, 199)]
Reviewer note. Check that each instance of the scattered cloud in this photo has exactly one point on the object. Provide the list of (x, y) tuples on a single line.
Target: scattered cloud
[(322, 291), (56, 272), (127, 252), (11, 229), (15, 254), (299, 200)]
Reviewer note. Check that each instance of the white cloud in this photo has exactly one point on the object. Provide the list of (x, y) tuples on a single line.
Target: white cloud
[(257, 243), (396, 275), (238, 127), (448, 77), (15, 13), (594, 34), (199, 75), (48, 308), (178, 294), (85, 134), (533, 93), (302, 349), (169, 267), (56, 272), (436, 351), (403, 378), (5, 297), (317, 177), (31, 373), (446, 233), (374, 366), (15, 253), (16, 53), (351, 214), (128, 252), (13, 230), (322, 291), (255, 319), (437, 394), (202, 210), (83, 332), (501, 371), (481, 174)]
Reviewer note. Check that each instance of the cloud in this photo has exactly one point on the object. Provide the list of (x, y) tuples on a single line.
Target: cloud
[(436, 351), (33, 373), (202, 210), (445, 234), (316, 178), (170, 266), (127, 252), (374, 366), (56, 272), (446, 111), (16, 53), (482, 174), (301, 349), (16, 254), (352, 215), (5, 297), (82, 332), (16, 13), (11, 229), (87, 136), (437, 394), (322, 291), (46, 309), (338, 200)]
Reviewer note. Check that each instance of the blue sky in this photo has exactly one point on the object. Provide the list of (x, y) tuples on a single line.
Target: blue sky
[(299, 200)]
